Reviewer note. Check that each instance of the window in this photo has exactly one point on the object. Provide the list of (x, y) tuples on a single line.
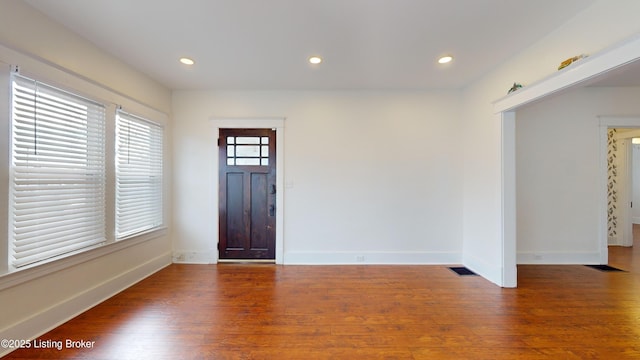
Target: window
[(57, 175), (138, 175), (248, 150), (82, 173)]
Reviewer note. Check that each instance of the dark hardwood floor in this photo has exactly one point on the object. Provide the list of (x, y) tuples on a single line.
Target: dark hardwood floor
[(362, 312)]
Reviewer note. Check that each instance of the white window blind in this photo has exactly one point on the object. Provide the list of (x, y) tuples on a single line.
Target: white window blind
[(57, 195), (138, 175)]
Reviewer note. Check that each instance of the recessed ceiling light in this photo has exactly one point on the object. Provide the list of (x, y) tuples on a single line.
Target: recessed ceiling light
[(315, 59), (445, 59), (187, 61)]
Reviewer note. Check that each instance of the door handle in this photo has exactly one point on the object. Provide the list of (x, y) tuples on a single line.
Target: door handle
[(272, 210), (273, 189)]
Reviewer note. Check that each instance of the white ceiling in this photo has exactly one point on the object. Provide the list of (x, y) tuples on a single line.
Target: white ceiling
[(625, 76), (264, 44)]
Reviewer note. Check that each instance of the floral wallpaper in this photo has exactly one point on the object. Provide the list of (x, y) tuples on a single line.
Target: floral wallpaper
[(612, 184)]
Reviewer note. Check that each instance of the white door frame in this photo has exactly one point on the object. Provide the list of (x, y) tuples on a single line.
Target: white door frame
[(252, 123), (508, 205)]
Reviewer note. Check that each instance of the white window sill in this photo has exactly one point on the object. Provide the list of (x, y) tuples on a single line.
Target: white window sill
[(20, 276)]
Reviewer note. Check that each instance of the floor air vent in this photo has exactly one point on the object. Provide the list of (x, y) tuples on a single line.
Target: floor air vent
[(462, 271), (603, 267)]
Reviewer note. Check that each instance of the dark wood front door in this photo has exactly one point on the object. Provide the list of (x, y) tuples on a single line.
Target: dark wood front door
[(247, 197)]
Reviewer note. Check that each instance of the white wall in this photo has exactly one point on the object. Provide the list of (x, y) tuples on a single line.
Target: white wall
[(29, 31), (558, 187), (603, 24), (376, 174), (38, 299)]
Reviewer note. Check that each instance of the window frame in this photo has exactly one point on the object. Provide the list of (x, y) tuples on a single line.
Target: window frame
[(75, 83)]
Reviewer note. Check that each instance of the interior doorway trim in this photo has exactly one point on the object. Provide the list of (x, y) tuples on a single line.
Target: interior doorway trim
[(579, 73), (505, 110), (251, 123)]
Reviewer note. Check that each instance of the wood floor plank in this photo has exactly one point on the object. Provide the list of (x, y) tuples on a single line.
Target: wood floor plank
[(239, 311)]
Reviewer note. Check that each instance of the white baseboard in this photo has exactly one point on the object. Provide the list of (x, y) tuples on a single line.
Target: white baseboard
[(46, 320), (614, 240), (488, 271), (335, 258), (558, 258), (195, 257), (371, 258)]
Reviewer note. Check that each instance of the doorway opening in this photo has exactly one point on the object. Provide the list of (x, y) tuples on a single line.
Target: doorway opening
[(622, 184), (617, 168)]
